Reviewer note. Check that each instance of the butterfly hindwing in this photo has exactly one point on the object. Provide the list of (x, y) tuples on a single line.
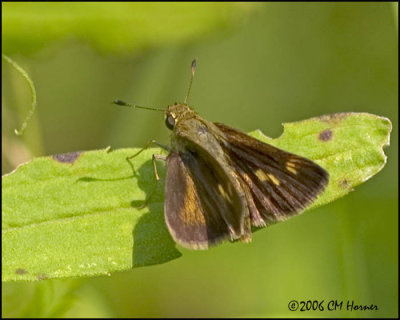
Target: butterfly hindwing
[(201, 206), (277, 183)]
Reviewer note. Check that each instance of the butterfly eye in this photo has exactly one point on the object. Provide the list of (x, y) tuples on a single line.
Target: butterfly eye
[(170, 122)]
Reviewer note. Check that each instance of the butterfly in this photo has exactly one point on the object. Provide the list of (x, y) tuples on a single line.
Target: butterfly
[(220, 181)]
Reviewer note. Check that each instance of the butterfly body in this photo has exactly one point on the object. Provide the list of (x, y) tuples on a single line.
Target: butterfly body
[(220, 181)]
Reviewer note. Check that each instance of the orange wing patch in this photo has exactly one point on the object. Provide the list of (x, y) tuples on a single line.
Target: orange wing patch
[(191, 212), (265, 177), (291, 166)]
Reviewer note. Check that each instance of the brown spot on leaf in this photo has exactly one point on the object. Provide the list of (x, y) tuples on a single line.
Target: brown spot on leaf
[(67, 157), (41, 276), (325, 135), (334, 118), (20, 271), (344, 183)]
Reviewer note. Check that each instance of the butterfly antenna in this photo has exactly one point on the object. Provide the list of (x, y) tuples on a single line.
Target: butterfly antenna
[(191, 79), (125, 104)]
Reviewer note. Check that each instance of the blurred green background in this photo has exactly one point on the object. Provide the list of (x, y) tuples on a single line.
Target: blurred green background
[(259, 65)]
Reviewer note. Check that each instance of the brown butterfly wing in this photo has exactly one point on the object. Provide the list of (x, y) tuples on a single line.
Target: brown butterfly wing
[(201, 208), (277, 183)]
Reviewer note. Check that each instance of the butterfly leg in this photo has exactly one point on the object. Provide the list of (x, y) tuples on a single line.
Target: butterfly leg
[(163, 146), (154, 158)]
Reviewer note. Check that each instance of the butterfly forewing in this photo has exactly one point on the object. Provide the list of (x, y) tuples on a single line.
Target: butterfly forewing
[(277, 183)]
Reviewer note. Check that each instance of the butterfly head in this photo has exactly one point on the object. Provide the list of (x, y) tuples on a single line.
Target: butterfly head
[(176, 113)]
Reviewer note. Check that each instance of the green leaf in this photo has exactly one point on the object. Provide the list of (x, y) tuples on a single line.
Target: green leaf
[(113, 27), (348, 145), (76, 214)]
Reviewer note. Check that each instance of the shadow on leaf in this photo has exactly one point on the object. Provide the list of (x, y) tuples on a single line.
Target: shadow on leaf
[(152, 243)]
